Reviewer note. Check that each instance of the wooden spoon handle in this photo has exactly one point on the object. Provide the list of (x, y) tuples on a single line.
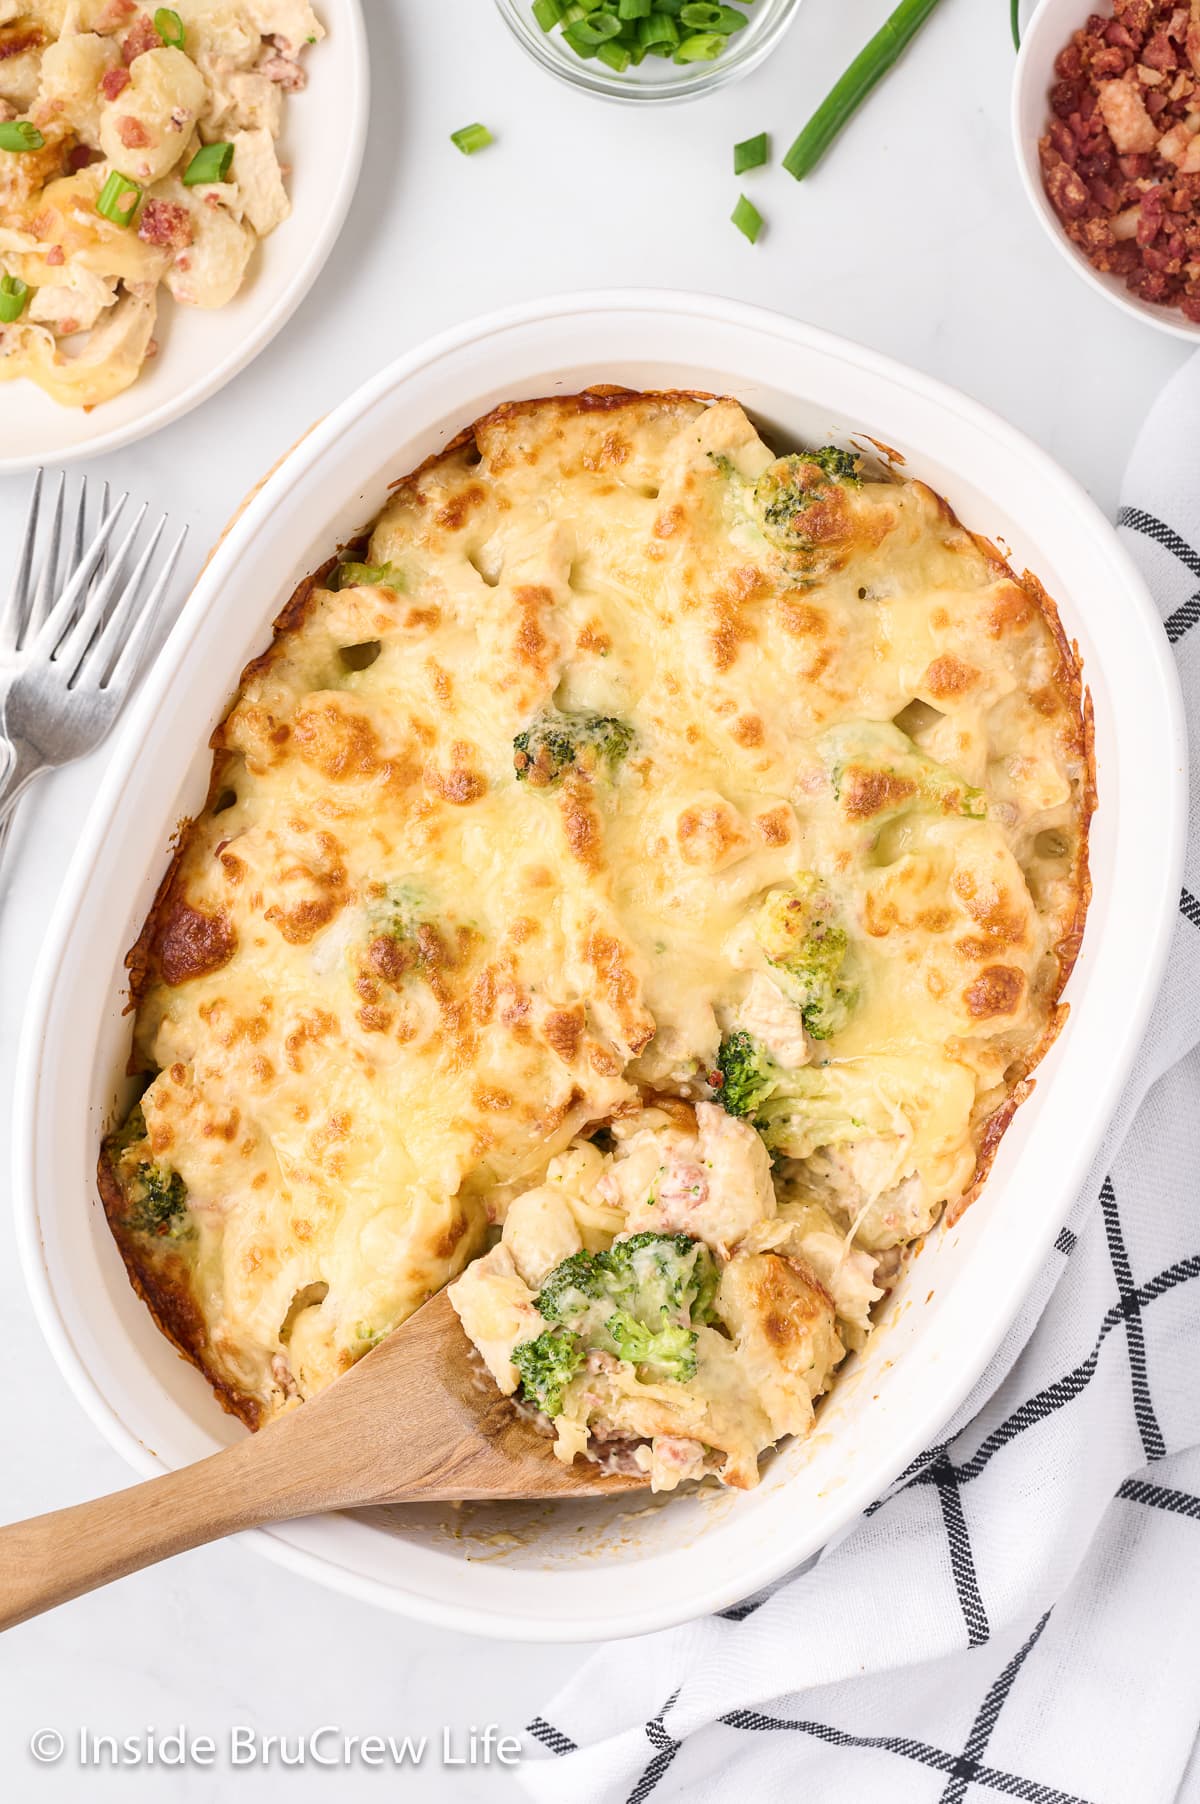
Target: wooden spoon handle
[(50, 1559)]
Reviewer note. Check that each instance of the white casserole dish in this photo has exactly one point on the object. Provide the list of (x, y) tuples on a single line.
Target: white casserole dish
[(583, 1572)]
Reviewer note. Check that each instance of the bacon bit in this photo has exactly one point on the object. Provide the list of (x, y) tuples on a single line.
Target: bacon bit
[(290, 76), (114, 13), (114, 82), (140, 38), (165, 222), (132, 133), (56, 256), (81, 156), (68, 326), (16, 39)]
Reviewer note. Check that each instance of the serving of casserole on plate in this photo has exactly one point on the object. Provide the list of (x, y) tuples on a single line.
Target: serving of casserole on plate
[(648, 868), (166, 198), (640, 876)]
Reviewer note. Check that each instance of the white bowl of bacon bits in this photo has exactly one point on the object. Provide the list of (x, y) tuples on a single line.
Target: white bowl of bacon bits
[(1106, 116)]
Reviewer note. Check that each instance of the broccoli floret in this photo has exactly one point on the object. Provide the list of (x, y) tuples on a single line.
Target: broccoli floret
[(399, 912), (746, 1072), (637, 1300), (572, 1288), (351, 575), (158, 1201), (797, 930), (797, 1111), (659, 1277), (556, 744), (547, 1366), (791, 485), (670, 1353), (878, 772), (841, 466)]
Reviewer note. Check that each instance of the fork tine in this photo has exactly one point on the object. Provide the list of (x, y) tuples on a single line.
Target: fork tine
[(81, 524), (47, 584), (126, 667), (13, 619), (70, 647), (97, 661), (59, 617)]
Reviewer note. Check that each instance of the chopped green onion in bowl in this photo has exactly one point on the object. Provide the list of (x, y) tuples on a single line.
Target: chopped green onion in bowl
[(210, 164), (623, 32), (747, 218), (169, 27), (470, 138), (119, 198), (13, 295), (751, 153), (20, 134)]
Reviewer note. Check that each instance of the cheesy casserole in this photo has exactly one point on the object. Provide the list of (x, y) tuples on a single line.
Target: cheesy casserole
[(131, 162), (640, 878)]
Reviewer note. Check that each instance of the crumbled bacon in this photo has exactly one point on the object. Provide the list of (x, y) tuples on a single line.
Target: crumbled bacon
[(56, 256), (132, 133), (81, 156), (140, 37), (114, 82), (1121, 153), (113, 13), (165, 222), (289, 75)]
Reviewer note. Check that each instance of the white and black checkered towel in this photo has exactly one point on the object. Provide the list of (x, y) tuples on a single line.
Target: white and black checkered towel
[(1020, 1615)]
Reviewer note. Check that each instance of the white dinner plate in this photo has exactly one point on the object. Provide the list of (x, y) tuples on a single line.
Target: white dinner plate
[(200, 351)]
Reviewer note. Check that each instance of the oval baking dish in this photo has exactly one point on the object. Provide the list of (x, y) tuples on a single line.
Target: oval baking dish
[(543, 1574)]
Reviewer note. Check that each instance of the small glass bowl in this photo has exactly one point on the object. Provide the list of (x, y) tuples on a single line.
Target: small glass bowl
[(657, 78)]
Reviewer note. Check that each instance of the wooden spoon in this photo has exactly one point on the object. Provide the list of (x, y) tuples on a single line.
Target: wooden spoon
[(416, 1420)]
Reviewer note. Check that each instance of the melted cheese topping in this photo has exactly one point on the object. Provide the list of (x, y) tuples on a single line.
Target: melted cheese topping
[(107, 97), (397, 967)]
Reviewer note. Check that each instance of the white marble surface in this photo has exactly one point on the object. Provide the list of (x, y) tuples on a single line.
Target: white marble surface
[(914, 238)]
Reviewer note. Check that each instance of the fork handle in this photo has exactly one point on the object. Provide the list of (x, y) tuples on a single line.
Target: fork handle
[(23, 766)]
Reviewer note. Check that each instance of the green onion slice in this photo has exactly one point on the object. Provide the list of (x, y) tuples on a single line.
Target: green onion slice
[(751, 153), (547, 13), (210, 164), (615, 55), (118, 199), (13, 295), (169, 27), (471, 138), (848, 94), (1015, 22), (633, 9), (597, 28), (20, 134), (700, 15), (747, 218), (659, 28), (701, 47)]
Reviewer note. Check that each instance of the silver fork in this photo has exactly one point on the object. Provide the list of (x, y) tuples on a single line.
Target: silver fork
[(69, 657)]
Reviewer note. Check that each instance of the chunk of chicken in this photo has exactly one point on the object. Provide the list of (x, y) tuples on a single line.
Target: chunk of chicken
[(767, 1015), (782, 1320), (540, 1232), (496, 1309)]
